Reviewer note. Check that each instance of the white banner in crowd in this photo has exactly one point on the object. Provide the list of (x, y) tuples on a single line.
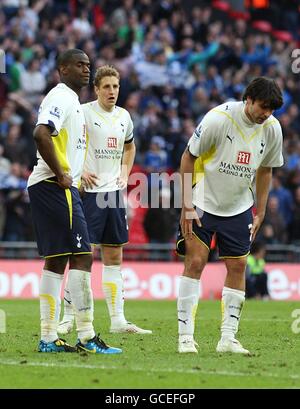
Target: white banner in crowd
[(148, 280)]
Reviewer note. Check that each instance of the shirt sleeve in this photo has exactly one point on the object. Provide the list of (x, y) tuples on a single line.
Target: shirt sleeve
[(53, 112), (274, 157), (204, 136), (129, 133)]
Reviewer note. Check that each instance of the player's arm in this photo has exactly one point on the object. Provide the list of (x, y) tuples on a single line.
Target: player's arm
[(203, 138), (263, 183), (127, 163), (272, 159), (188, 213), (43, 139)]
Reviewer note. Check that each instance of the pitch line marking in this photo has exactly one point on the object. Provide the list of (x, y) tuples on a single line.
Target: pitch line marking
[(249, 319), (138, 369)]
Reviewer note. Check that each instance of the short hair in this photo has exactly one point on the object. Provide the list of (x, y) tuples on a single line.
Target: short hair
[(266, 90), (105, 71), (67, 56)]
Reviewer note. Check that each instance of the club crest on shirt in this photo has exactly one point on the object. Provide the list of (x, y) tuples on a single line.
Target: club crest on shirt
[(55, 111), (112, 142), (262, 147), (243, 157)]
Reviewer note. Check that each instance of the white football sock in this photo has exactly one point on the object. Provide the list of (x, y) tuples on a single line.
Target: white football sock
[(68, 307), (231, 304), (50, 288), (83, 303), (112, 287), (187, 303)]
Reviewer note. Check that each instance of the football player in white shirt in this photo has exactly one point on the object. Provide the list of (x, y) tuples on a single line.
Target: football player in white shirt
[(57, 210), (234, 142), (110, 156)]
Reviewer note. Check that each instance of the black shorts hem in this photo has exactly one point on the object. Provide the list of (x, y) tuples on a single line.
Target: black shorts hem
[(67, 254), (244, 255), (182, 239), (114, 245)]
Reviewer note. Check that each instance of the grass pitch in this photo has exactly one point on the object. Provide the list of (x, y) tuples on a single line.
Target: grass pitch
[(152, 361)]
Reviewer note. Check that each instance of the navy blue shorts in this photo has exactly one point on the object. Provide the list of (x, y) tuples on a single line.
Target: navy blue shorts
[(106, 218), (58, 220), (232, 233)]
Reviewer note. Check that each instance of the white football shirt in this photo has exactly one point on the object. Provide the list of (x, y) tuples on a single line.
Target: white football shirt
[(107, 133), (229, 149), (61, 110)]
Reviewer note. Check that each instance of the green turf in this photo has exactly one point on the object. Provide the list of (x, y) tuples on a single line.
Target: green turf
[(152, 361)]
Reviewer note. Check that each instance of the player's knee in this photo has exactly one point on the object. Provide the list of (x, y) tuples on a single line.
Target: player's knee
[(112, 261), (112, 256), (238, 265), (81, 262), (195, 266), (242, 263), (56, 264)]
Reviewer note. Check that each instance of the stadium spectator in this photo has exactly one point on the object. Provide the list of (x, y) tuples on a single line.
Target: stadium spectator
[(59, 222), (5, 167), (285, 199), (256, 276), (276, 219), (156, 159), (5, 164), (266, 234), (292, 154), (221, 159), (33, 82), (17, 225), (15, 148), (160, 223), (15, 72), (295, 225)]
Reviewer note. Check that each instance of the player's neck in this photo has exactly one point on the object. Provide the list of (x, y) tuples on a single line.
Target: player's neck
[(246, 116), (73, 87)]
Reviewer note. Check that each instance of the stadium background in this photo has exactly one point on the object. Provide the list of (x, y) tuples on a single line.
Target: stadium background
[(177, 60)]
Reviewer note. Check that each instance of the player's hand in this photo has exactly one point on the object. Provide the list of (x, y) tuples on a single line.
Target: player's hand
[(257, 221), (89, 180), (65, 181), (81, 190), (186, 222), (122, 182)]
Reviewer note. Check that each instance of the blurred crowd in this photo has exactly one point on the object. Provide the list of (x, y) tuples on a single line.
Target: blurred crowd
[(177, 60)]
